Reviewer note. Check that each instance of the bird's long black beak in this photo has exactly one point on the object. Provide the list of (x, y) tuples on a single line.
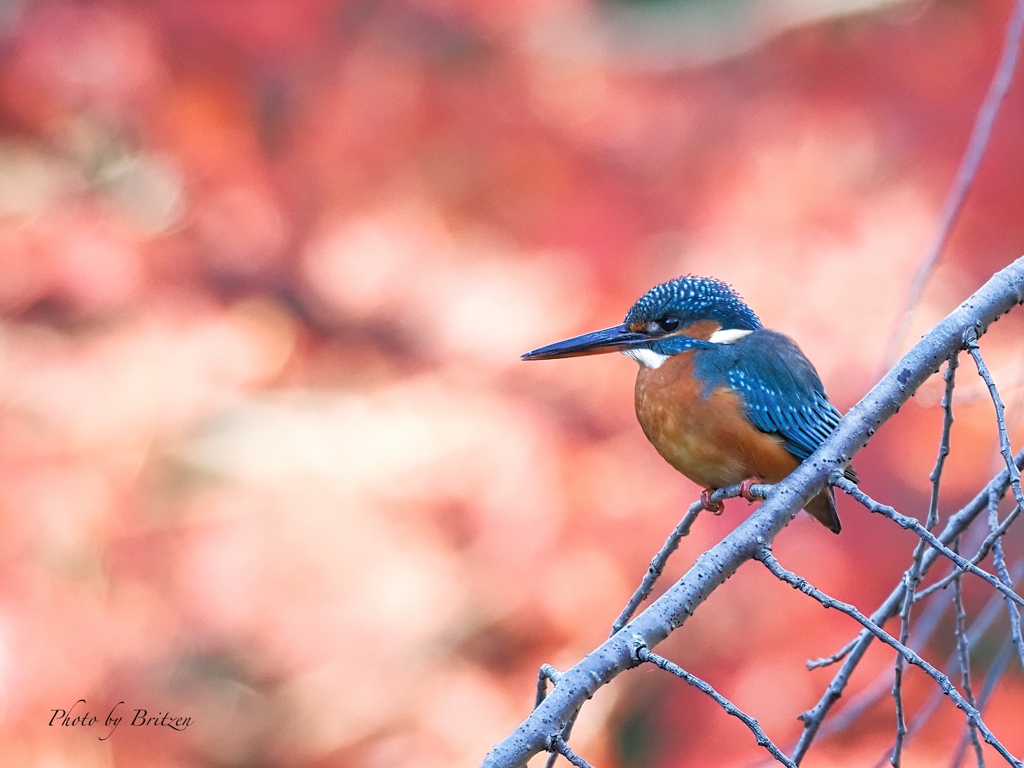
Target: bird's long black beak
[(607, 340)]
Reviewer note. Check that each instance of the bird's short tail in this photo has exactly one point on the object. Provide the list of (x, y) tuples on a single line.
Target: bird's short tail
[(823, 508)]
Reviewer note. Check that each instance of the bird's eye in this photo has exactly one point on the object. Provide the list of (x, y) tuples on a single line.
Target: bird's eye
[(662, 325)]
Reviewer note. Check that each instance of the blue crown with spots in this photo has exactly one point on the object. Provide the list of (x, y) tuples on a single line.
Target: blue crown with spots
[(690, 299)]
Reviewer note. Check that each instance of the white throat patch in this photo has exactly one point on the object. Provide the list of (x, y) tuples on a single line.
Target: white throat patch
[(646, 357), (730, 336)]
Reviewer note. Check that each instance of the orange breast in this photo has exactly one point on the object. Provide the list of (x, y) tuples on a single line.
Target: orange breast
[(708, 440)]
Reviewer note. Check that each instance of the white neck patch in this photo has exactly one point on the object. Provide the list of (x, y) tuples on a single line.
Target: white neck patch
[(730, 336), (646, 357)]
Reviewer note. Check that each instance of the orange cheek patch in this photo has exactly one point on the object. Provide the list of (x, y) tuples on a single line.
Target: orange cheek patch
[(702, 329)]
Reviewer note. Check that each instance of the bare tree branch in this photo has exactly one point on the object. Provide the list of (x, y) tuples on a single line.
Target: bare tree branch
[(947, 424), (921, 632), (956, 524), (644, 654), (559, 747), (973, 715), (669, 612), (672, 543), (978, 556), (963, 654), (1004, 438), (551, 722), (909, 523), (994, 673), (544, 674), (913, 576), (965, 174), (835, 658), (1000, 563)]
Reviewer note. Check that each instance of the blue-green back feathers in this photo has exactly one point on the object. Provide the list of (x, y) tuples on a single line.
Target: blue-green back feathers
[(779, 387)]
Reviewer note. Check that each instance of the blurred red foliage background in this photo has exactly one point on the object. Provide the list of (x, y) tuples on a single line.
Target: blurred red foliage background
[(269, 459)]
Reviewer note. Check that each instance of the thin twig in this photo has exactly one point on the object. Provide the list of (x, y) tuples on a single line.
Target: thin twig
[(671, 544), (959, 522), (964, 658), (971, 340), (909, 523), (974, 633), (922, 631), (643, 653), (947, 425), (913, 575), (655, 569), (965, 175), (1000, 563), (980, 555), (544, 674), (657, 566), (897, 685), (835, 658), (1004, 449), (559, 747), (801, 584), (995, 671), (563, 737)]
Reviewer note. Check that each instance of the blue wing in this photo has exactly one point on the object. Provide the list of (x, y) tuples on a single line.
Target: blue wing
[(780, 389)]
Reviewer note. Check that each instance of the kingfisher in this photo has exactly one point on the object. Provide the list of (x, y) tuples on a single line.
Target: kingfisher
[(723, 399)]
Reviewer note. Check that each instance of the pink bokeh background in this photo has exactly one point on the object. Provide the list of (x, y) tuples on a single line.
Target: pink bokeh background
[(269, 458)]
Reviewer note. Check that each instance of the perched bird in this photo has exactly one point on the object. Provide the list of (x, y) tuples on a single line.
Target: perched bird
[(723, 399)]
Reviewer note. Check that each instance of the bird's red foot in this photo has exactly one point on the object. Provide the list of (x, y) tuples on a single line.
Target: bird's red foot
[(745, 489), (714, 507)]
